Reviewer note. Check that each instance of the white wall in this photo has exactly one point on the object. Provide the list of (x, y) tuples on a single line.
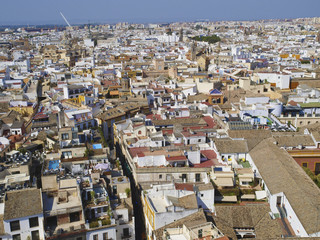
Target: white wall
[(123, 226), (25, 229), (162, 219), (149, 161), (281, 80), (256, 100), (111, 233), (205, 199), (195, 140), (194, 157)]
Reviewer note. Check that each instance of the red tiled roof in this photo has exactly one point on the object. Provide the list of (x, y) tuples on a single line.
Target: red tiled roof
[(184, 186), (209, 154), (210, 121), (188, 134), (208, 163), (154, 117), (176, 158), (138, 151), (292, 103), (167, 131)]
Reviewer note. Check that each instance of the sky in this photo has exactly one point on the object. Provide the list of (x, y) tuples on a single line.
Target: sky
[(151, 11)]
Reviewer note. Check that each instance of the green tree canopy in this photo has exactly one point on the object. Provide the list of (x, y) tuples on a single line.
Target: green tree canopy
[(209, 39)]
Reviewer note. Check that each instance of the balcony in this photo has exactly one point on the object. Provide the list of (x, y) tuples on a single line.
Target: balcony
[(126, 236), (56, 212)]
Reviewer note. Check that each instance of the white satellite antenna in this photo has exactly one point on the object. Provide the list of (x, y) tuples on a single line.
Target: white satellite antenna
[(64, 18)]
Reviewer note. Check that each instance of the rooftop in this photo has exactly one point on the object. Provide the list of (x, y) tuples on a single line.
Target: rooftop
[(22, 203), (281, 173)]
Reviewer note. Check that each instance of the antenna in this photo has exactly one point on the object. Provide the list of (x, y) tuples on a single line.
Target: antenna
[(64, 18)]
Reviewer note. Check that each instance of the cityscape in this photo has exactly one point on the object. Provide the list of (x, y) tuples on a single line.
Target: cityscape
[(178, 130)]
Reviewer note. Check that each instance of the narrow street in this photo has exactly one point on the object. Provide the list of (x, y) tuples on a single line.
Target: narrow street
[(140, 230)]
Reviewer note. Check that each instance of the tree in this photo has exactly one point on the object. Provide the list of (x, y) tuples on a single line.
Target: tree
[(88, 152), (318, 180), (118, 164), (309, 173), (209, 39), (198, 27), (128, 192)]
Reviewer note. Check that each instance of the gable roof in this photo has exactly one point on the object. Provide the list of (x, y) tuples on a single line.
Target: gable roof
[(22, 203), (186, 202), (281, 173), (191, 220), (253, 136), (293, 140), (249, 216), (231, 146)]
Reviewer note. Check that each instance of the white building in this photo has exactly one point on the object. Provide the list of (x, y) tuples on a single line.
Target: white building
[(23, 215), (281, 80), (164, 205), (290, 192)]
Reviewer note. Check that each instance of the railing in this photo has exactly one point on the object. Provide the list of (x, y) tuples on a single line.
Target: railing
[(62, 211), (126, 236), (54, 231)]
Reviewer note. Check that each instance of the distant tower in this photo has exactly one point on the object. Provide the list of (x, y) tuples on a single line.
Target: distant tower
[(181, 35), (318, 37), (193, 51), (125, 83), (93, 59)]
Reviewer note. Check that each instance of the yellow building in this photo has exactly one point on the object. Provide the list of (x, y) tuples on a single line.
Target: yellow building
[(26, 109)]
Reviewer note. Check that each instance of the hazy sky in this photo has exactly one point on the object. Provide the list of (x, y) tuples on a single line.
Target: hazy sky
[(140, 11)]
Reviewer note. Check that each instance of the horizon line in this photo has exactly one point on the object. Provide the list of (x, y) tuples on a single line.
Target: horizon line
[(112, 22)]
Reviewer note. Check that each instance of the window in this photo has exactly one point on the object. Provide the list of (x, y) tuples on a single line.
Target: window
[(65, 136), (139, 132), (74, 217), (200, 233), (114, 188), (16, 237), (126, 232), (199, 140), (184, 177), (105, 236), (305, 164), (317, 168), (95, 237), (15, 226), (160, 176), (67, 154), (198, 177), (33, 222), (35, 235), (99, 210), (105, 209)]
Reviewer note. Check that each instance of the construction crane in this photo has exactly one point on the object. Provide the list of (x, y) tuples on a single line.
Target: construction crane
[(64, 18)]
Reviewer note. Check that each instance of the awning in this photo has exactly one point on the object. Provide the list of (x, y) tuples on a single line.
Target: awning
[(260, 195), (245, 179), (226, 199), (248, 196)]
